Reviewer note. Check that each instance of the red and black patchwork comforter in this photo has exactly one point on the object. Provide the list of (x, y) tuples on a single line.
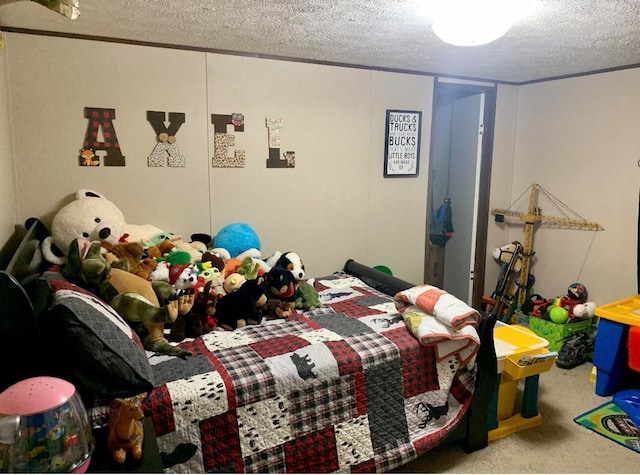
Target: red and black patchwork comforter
[(343, 388)]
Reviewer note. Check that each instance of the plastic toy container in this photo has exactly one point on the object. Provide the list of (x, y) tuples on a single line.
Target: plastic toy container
[(557, 333), (610, 354), (625, 311), (518, 371)]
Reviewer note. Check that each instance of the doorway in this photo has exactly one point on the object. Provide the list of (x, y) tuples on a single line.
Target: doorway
[(460, 170)]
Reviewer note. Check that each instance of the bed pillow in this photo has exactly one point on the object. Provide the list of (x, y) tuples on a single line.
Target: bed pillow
[(94, 344), (17, 327)]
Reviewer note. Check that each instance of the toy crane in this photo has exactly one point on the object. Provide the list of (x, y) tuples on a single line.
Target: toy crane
[(530, 218)]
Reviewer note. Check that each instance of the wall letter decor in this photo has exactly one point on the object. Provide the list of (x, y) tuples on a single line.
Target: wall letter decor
[(222, 140), (288, 159), (101, 118), (402, 143), (166, 148)]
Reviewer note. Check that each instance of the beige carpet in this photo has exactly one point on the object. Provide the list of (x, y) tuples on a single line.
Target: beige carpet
[(559, 445)]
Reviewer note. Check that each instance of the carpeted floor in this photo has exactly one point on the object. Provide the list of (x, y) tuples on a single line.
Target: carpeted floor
[(559, 445)]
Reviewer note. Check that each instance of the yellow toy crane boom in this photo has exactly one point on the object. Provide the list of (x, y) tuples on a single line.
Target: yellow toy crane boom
[(530, 218)]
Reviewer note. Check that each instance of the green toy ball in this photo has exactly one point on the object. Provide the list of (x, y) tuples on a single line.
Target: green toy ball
[(559, 315)]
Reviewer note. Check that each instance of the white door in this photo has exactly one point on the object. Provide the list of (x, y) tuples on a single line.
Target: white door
[(464, 173)]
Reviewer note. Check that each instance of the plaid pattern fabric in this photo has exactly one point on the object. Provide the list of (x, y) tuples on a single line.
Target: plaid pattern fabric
[(279, 345), (418, 367), (338, 404), (251, 377), (343, 388), (100, 118)]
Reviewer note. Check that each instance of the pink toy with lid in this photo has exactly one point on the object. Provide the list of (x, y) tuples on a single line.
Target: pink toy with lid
[(44, 427)]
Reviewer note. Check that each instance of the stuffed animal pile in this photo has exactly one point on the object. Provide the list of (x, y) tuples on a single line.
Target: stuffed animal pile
[(169, 289)]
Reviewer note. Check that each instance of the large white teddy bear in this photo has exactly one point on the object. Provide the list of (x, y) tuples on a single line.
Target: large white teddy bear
[(93, 217)]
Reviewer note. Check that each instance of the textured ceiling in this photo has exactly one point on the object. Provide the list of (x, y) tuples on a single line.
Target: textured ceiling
[(561, 37)]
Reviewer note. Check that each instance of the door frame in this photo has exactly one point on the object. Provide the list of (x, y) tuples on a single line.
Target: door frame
[(443, 87)]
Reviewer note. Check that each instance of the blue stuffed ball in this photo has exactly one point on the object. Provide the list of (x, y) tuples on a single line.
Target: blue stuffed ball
[(237, 238)]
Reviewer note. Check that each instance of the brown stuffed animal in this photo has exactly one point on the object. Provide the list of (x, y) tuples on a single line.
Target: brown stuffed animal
[(200, 319), (161, 250), (216, 261), (129, 258), (275, 309), (126, 432)]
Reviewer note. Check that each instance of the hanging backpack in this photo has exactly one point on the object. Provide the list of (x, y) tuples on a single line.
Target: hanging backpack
[(441, 224)]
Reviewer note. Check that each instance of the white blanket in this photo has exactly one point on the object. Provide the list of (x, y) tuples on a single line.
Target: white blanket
[(438, 318)]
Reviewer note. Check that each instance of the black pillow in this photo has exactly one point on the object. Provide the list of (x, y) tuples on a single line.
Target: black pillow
[(18, 332), (94, 344)]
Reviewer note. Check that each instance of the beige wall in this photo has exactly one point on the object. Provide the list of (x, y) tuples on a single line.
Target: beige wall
[(501, 177), (334, 205), (8, 196), (577, 138), (52, 80)]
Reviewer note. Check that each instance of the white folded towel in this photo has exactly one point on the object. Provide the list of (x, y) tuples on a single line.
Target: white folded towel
[(438, 318)]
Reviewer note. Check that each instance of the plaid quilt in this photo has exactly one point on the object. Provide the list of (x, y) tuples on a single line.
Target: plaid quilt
[(342, 388)]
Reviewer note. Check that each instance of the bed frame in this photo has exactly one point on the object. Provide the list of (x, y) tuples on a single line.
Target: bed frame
[(17, 260)]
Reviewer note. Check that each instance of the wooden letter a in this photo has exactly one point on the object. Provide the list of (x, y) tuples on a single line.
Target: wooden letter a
[(103, 118)]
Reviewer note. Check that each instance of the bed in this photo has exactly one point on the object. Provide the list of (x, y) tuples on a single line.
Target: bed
[(342, 388)]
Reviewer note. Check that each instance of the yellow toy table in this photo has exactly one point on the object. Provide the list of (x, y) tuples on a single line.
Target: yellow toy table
[(512, 342)]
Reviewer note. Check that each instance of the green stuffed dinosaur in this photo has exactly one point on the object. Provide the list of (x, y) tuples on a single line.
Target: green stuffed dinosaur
[(307, 297), (146, 306), (248, 268)]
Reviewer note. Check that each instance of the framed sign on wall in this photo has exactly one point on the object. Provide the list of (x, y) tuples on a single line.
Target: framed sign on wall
[(402, 143)]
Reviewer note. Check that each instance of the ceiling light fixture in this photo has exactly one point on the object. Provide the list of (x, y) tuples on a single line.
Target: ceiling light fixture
[(472, 22)]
